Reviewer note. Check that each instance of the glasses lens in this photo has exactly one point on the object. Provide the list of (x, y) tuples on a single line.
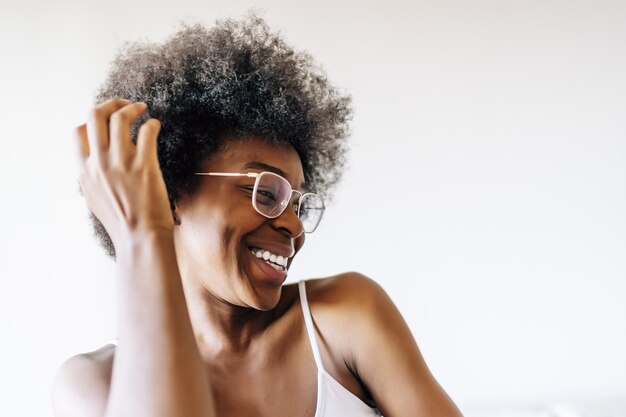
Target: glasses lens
[(311, 211), (271, 195)]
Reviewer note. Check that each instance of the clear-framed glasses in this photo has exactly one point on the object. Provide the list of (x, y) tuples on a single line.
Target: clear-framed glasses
[(272, 194)]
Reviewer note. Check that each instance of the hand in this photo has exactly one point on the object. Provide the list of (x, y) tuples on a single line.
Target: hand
[(122, 183)]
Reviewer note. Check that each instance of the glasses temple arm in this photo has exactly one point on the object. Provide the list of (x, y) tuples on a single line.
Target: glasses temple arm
[(228, 174)]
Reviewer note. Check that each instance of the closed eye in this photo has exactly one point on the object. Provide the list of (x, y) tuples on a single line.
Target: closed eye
[(265, 197)]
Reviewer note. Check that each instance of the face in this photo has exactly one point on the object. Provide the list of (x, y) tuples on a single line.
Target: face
[(221, 238)]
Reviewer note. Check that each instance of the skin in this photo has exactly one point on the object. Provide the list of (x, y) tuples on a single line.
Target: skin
[(197, 312)]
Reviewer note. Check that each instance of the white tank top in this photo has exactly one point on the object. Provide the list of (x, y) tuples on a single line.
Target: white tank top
[(333, 399)]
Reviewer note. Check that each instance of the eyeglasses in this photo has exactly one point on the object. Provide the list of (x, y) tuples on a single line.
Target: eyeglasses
[(272, 194)]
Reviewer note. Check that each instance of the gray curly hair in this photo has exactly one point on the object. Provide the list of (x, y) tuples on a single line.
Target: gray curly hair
[(234, 79)]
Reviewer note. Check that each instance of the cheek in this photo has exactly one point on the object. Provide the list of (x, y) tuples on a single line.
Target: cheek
[(218, 236), (211, 236)]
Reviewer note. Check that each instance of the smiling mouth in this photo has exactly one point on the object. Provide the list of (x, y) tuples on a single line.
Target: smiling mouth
[(277, 262)]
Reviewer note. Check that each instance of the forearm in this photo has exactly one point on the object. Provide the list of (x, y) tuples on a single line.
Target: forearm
[(157, 369)]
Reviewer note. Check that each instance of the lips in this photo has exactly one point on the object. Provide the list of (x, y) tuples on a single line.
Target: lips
[(271, 272), (272, 258)]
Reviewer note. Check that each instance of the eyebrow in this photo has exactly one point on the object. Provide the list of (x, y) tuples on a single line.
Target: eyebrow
[(266, 167)]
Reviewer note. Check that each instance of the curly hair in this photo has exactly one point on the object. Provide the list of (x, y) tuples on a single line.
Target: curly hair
[(234, 79)]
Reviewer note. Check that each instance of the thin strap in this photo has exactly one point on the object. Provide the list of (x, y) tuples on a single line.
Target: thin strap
[(310, 328)]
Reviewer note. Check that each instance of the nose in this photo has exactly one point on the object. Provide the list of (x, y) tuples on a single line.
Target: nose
[(289, 222)]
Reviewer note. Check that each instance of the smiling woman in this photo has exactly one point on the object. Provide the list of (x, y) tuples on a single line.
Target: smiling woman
[(204, 163)]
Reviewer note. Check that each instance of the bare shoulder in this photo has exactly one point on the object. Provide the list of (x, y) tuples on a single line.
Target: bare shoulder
[(347, 307), (348, 292), (81, 384), (368, 333)]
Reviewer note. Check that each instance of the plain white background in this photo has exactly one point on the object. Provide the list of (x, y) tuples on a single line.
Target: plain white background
[(486, 189)]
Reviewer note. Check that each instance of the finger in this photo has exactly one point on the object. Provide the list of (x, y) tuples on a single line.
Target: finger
[(81, 144), (147, 142), (98, 125), (81, 152), (121, 147)]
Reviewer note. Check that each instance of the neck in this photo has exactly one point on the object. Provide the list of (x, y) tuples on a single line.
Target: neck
[(220, 327)]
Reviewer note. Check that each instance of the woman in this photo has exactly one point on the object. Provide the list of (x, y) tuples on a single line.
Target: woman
[(250, 139)]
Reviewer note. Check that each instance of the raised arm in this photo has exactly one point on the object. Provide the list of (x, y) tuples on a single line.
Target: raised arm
[(157, 369)]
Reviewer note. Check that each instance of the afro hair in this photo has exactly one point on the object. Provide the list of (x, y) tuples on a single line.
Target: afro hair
[(232, 80)]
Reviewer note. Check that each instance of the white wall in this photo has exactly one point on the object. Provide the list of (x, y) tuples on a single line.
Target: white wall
[(486, 189)]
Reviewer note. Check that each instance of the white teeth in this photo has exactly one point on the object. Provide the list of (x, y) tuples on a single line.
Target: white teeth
[(281, 261)]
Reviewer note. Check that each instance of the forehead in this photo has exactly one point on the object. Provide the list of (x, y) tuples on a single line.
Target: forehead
[(238, 155)]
